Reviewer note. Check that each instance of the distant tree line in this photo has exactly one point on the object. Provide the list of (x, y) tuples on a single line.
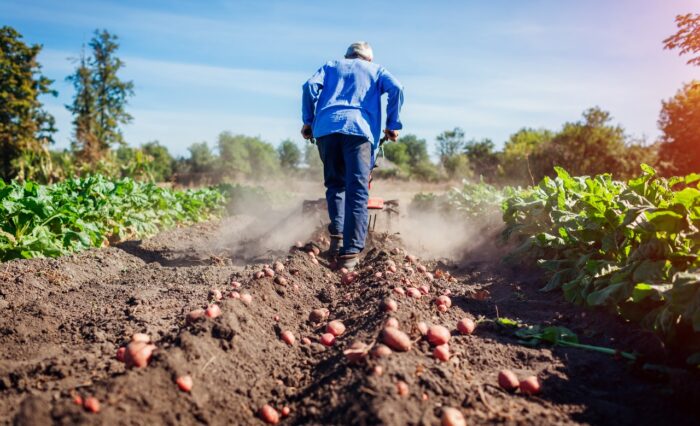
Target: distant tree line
[(593, 144)]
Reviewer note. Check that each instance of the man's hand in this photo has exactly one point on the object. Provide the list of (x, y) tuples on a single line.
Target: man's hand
[(306, 131), (392, 135)]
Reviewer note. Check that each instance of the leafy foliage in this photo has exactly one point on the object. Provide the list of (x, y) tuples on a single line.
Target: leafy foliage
[(77, 214), (630, 247), (25, 127), (680, 123), (687, 39)]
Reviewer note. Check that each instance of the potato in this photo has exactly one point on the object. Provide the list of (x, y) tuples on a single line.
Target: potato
[(442, 352), (396, 339), (92, 404), (402, 388), (305, 341), (215, 294), (213, 311), (391, 269), (278, 266), (141, 337), (442, 308), (508, 380), (246, 298), (335, 327), (269, 415), (234, 295), (269, 272), (530, 385), (235, 284), (348, 278), (411, 258), (327, 339), (399, 291), (413, 292), (280, 280), (438, 335), (285, 411), (138, 354), (378, 275), (381, 351), (389, 305), (424, 289), (466, 326), (422, 328), (443, 300), (288, 337), (429, 276), (452, 417), (318, 315), (392, 322), (184, 383), (259, 275), (378, 370), (356, 352), (420, 268), (121, 353)]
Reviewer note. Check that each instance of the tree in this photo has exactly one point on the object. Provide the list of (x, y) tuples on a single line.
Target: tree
[(247, 156), (449, 150), (99, 104), (313, 161), (202, 159), (687, 39), (680, 123), (483, 160), (517, 151), (289, 155), (160, 159), (24, 125)]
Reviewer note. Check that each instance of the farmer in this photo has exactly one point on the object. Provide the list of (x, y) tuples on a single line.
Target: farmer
[(341, 108)]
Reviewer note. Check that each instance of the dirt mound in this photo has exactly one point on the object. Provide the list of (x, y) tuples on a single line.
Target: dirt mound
[(63, 321)]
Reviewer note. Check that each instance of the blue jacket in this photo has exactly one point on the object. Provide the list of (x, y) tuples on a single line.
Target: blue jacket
[(346, 95)]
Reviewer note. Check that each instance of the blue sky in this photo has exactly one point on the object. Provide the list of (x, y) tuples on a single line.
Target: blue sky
[(493, 67)]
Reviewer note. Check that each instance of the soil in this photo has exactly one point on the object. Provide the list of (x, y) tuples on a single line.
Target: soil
[(64, 319)]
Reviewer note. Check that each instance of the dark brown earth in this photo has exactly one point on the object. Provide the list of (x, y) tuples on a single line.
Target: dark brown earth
[(62, 321)]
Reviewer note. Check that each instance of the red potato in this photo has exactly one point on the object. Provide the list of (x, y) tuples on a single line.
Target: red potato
[(530, 385), (235, 284), (381, 351), (234, 295), (269, 415), (259, 275), (288, 337), (141, 337), (269, 272), (443, 300), (138, 354), (78, 400), (424, 289), (315, 250), (305, 341), (314, 261), (276, 318), (215, 294), (318, 315), (411, 258), (335, 327), (413, 292), (348, 278), (213, 311), (429, 276), (392, 322), (193, 316), (184, 383), (452, 417), (285, 411), (378, 370), (442, 308), (400, 291), (356, 352), (327, 339), (343, 271), (391, 269), (422, 328), (280, 280), (402, 388), (121, 353), (421, 268), (466, 326), (246, 298), (378, 275), (396, 339), (508, 380), (438, 335), (442, 352), (389, 305), (424, 397), (278, 266), (311, 254), (92, 404)]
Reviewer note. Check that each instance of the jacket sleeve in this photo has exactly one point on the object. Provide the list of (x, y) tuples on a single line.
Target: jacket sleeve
[(310, 93), (394, 89)]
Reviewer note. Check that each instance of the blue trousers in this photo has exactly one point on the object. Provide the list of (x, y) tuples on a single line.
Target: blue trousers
[(346, 166)]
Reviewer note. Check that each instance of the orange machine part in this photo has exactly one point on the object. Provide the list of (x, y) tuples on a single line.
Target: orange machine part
[(375, 203)]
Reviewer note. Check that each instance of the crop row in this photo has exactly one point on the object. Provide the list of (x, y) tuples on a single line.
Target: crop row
[(94, 211)]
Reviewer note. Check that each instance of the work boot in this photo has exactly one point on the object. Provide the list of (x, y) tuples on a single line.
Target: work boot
[(349, 261), (336, 244)]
